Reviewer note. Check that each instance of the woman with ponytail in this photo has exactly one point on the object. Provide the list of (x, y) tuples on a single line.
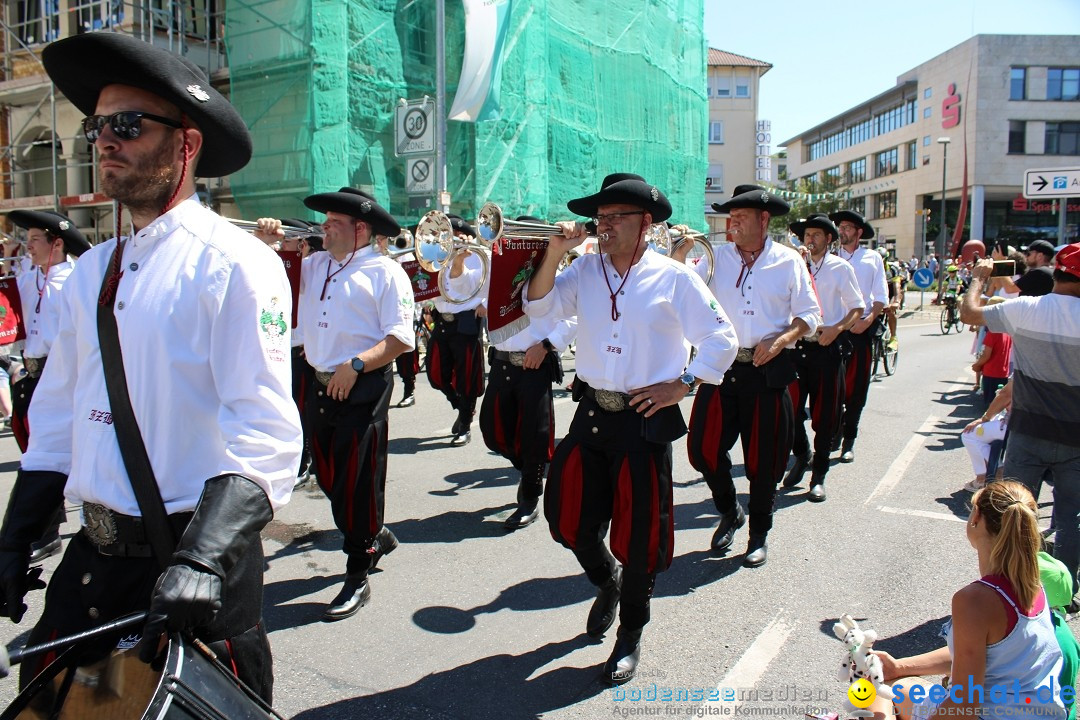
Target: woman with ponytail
[(1000, 633)]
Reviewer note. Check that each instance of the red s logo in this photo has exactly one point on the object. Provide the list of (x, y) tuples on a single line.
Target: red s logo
[(950, 108)]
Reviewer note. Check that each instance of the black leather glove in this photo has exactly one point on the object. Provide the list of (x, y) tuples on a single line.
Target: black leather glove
[(31, 507), (230, 514)]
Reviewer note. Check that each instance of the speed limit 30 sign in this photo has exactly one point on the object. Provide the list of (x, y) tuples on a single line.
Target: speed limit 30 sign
[(414, 127)]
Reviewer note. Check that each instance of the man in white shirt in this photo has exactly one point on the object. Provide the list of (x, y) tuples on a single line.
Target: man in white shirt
[(870, 272), (819, 358), (765, 289), (356, 309), (455, 359), (199, 307), (613, 468)]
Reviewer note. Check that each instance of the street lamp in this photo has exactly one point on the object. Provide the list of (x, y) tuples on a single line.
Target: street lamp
[(944, 142)]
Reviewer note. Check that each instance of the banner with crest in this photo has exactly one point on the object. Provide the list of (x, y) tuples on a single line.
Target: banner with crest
[(425, 285), (11, 326), (293, 262), (513, 261)]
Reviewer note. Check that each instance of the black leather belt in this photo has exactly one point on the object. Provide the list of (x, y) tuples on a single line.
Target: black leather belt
[(517, 359), (609, 400), (34, 366), (120, 535)]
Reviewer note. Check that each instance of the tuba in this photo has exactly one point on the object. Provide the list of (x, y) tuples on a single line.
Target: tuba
[(664, 240), (436, 246)]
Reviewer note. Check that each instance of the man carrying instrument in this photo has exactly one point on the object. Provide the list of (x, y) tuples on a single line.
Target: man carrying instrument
[(455, 362), (766, 290), (870, 273), (819, 358), (356, 309), (186, 314), (517, 416), (634, 334)]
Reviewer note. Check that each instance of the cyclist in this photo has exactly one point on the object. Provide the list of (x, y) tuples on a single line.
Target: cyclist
[(954, 287), (894, 279)]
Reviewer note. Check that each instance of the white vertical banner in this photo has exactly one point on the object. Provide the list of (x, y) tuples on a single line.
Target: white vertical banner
[(486, 23)]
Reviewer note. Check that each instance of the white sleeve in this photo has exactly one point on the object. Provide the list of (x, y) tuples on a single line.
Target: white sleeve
[(804, 302), (561, 302), (850, 296), (706, 327), (396, 309)]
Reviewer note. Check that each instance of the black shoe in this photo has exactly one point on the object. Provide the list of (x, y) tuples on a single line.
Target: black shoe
[(725, 531), (456, 428), (622, 665), (795, 474), (39, 551), (836, 441), (602, 612), (385, 543), (849, 452), (461, 439), (302, 478), (757, 551), (353, 596), (527, 512), (407, 401), (817, 493)]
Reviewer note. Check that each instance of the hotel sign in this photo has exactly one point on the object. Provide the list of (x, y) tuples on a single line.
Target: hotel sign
[(763, 151)]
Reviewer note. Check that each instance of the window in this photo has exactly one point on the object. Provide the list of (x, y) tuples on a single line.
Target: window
[(723, 85), (927, 112), (35, 21), (419, 36), (926, 141), (886, 163), (927, 93), (885, 204), (858, 205), (716, 132), (1063, 138), (831, 177), (742, 85), (714, 182), (857, 170), (1016, 136), (912, 154), (879, 124), (1063, 83), (1018, 84)]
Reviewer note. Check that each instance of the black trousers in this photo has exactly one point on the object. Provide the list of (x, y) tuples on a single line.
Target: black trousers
[(300, 388), (747, 406), (22, 392), (455, 363), (408, 364), (517, 416), (857, 381), (89, 589), (349, 444), (821, 380)]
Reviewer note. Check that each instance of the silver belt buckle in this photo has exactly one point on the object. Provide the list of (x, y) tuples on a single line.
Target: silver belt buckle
[(745, 355), (448, 317), (33, 366), (517, 359), (99, 524), (323, 377), (610, 400)]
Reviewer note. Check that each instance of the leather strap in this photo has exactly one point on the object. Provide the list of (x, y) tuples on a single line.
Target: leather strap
[(132, 449)]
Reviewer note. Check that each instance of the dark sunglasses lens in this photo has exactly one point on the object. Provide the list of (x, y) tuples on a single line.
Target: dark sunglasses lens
[(126, 125), (92, 127)]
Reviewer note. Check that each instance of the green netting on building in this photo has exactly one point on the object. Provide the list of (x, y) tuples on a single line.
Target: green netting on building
[(588, 87)]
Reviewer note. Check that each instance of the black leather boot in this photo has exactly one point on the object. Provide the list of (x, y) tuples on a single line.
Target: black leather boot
[(621, 666), (602, 612), (385, 543), (817, 488), (849, 451), (795, 474), (354, 594), (725, 531), (530, 488), (757, 551)]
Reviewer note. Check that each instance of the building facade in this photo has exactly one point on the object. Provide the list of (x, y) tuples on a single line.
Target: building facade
[(977, 116)]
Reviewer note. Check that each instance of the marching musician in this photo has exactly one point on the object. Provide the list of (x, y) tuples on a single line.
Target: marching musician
[(765, 289), (614, 466), (870, 273), (455, 361), (819, 357), (198, 307), (356, 309), (517, 416), (408, 362)]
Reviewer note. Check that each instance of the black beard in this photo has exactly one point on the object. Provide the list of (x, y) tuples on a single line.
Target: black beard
[(149, 182)]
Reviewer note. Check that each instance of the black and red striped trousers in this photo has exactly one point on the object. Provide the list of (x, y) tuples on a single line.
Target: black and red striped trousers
[(857, 381), (517, 416), (821, 380), (745, 406), (455, 361)]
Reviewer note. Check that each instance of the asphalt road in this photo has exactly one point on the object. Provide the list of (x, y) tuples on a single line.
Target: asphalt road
[(469, 621)]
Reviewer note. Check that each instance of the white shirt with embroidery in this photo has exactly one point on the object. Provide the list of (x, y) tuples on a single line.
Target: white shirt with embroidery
[(366, 298), (464, 285), (870, 272), (664, 308), (41, 320), (560, 333), (202, 314), (837, 289), (770, 295)]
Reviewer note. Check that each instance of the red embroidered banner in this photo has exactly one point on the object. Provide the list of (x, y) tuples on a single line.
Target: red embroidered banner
[(11, 326), (425, 285), (513, 262), (293, 262)]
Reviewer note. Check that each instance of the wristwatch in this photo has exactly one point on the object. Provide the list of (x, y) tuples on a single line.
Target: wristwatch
[(547, 345), (688, 379), (358, 365)]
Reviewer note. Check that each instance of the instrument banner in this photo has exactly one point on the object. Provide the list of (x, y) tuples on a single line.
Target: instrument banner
[(425, 285), (11, 326), (293, 261), (513, 261)]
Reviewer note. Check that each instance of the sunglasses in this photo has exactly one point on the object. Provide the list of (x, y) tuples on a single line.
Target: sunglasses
[(126, 124)]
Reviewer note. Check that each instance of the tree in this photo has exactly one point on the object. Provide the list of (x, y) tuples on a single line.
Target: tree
[(809, 195)]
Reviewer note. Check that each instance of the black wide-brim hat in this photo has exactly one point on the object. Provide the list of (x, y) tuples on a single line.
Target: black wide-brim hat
[(461, 225), (75, 243), (357, 204), (629, 191), (82, 65), (756, 199), (853, 217), (815, 220)]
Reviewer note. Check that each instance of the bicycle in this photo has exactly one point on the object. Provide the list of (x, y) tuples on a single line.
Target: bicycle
[(882, 353), (950, 316)]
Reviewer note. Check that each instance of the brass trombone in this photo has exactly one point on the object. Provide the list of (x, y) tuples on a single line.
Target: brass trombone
[(491, 225), (665, 240), (290, 232), (436, 246)]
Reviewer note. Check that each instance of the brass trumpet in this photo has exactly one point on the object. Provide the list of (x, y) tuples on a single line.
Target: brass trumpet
[(436, 246), (664, 240), (403, 243), (290, 232), (491, 225)]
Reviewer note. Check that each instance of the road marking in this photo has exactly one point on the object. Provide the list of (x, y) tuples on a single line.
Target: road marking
[(921, 513), (749, 668), (903, 460)]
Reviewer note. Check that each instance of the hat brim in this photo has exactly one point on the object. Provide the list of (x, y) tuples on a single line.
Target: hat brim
[(82, 65), (774, 206), (625, 192), (840, 216), (75, 243), (800, 227), (357, 206)]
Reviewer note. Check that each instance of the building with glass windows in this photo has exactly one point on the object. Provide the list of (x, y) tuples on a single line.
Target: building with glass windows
[(1005, 103)]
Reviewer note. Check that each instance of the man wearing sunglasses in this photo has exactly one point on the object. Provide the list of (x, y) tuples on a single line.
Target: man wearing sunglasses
[(638, 315), (199, 309)]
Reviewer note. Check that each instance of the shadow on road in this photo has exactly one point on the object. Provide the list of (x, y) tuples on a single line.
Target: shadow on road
[(479, 478)]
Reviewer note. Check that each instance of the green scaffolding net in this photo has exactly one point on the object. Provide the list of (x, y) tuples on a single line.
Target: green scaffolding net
[(588, 87)]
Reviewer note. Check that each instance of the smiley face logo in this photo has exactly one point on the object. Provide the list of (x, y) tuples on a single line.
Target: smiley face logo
[(861, 693)]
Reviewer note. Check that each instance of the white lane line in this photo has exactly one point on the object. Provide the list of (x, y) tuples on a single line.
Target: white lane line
[(900, 464), (749, 668), (921, 513)]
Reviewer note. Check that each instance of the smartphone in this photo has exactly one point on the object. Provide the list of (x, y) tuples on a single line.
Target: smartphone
[(1003, 268)]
